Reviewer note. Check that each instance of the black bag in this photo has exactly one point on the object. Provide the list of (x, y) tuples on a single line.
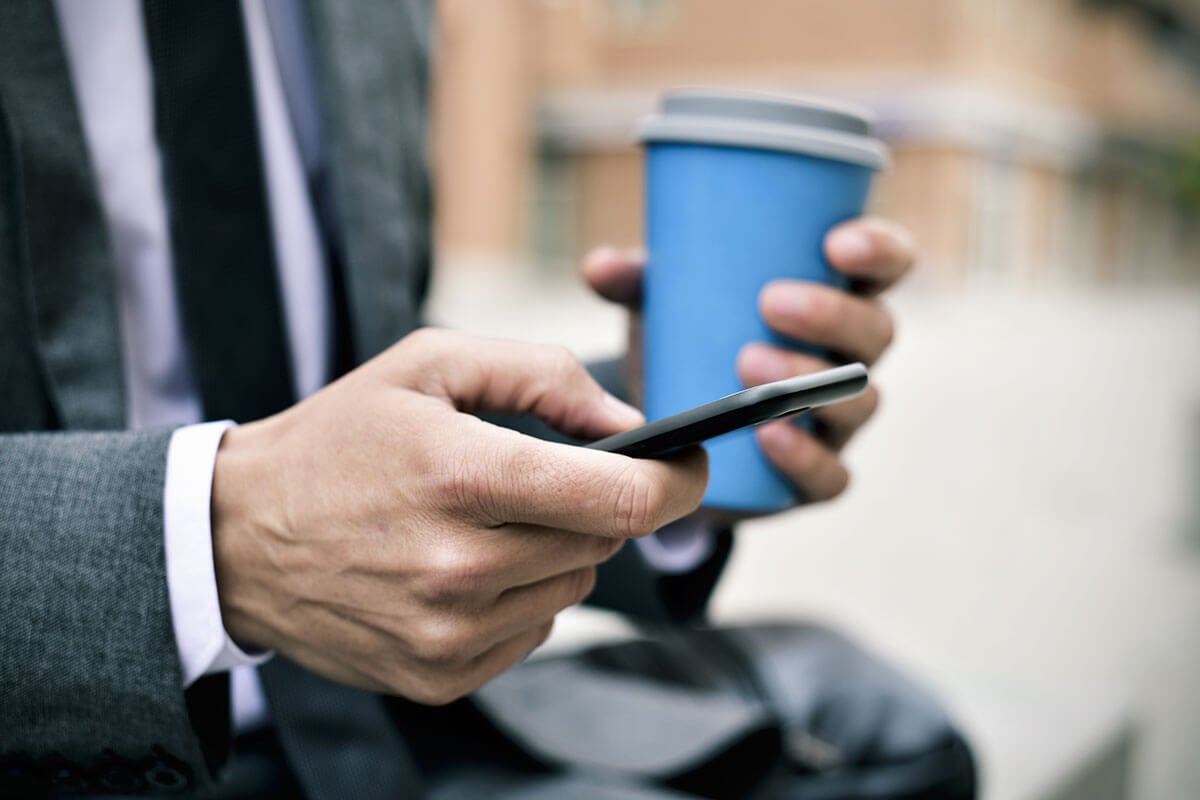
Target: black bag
[(787, 711)]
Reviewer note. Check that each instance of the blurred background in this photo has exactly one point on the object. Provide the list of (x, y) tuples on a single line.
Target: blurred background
[(1023, 528)]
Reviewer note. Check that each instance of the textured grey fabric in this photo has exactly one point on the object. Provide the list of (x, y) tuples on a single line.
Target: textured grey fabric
[(69, 265), (497, 784), (571, 715), (89, 661), (341, 740), (89, 675), (767, 711), (372, 74)]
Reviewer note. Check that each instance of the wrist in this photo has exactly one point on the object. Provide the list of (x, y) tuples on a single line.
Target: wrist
[(243, 517)]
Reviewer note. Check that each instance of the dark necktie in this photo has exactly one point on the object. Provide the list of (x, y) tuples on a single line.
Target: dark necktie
[(220, 228)]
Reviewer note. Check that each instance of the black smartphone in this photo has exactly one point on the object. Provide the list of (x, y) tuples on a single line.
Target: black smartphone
[(752, 406)]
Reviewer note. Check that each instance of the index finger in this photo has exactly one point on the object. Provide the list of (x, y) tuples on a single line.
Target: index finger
[(875, 253)]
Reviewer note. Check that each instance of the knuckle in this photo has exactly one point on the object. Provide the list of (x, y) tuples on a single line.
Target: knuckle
[(421, 335), (462, 484), (443, 643), (453, 572), (425, 341), (561, 362), (639, 501), (438, 690), (454, 480)]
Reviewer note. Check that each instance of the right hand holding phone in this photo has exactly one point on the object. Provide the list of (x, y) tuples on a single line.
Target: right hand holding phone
[(380, 534)]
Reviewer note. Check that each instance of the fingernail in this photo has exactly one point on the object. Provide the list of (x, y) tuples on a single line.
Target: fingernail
[(849, 244), (603, 253), (625, 413)]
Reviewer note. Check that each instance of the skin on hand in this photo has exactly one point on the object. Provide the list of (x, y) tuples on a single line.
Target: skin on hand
[(874, 254), (381, 535)]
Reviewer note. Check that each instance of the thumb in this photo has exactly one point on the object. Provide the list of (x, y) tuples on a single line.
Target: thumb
[(616, 275), (476, 375)]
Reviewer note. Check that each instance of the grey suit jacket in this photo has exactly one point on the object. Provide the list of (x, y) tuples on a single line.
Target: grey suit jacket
[(89, 678)]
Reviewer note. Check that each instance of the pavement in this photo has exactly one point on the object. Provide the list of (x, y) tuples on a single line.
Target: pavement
[(1022, 531)]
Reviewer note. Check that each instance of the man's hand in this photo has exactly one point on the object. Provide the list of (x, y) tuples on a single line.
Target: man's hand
[(874, 254), (381, 535)]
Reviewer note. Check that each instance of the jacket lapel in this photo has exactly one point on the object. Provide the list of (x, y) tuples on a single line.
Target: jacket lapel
[(372, 70), (66, 250)]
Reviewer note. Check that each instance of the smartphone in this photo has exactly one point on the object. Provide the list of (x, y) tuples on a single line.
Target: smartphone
[(752, 406)]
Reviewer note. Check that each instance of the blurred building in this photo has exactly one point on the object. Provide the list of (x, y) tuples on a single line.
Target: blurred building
[(1035, 141)]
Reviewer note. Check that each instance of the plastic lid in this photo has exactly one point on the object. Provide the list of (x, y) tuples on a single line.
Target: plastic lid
[(773, 122)]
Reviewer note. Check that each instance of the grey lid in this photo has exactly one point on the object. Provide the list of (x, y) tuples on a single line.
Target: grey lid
[(773, 122)]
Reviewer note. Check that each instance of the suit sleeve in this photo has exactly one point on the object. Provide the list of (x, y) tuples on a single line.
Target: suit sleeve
[(90, 681), (629, 583)]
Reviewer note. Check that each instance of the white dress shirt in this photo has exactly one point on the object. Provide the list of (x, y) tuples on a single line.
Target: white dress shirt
[(106, 50)]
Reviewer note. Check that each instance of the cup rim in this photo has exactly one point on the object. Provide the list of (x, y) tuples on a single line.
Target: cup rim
[(789, 123)]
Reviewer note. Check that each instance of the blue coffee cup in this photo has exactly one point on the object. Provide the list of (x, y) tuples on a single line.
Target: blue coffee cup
[(741, 189)]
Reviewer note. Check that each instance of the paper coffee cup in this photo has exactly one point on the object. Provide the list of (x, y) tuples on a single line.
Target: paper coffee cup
[(741, 189)]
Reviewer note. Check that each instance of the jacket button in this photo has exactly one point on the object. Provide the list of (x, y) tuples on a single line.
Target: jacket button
[(164, 778), (67, 778), (166, 773), (120, 778)]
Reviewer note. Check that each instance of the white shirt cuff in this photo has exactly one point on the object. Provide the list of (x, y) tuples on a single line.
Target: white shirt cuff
[(679, 547), (204, 645)]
